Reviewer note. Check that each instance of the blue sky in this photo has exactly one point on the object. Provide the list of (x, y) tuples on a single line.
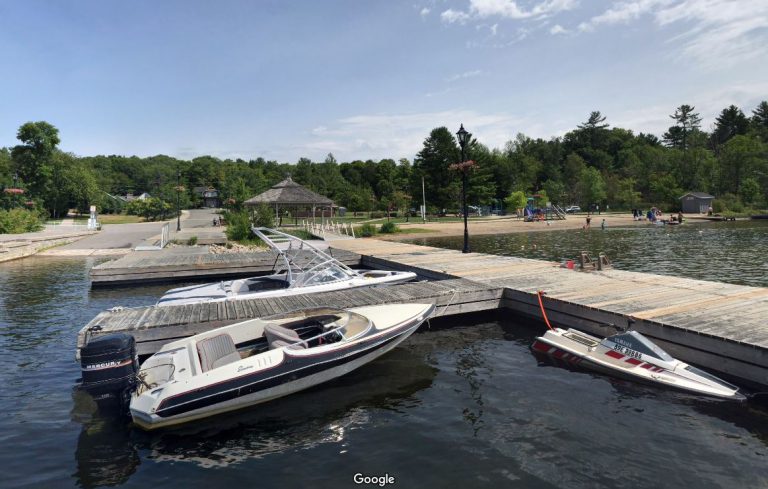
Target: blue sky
[(365, 79)]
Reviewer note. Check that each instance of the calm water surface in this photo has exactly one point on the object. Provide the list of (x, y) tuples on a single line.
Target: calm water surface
[(735, 252), (466, 406)]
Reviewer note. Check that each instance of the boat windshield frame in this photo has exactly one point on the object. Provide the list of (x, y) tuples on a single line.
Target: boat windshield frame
[(302, 262)]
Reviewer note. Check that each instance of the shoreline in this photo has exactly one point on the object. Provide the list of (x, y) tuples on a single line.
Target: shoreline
[(512, 225)]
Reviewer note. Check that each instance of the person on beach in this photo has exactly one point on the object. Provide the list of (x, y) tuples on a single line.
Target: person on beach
[(589, 220), (680, 217)]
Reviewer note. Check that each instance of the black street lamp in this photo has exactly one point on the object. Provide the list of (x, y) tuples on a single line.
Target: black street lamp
[(463, 136), (178, 200)]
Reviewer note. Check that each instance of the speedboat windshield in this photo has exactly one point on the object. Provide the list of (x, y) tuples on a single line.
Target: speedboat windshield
[(324, 275), (636, 341)]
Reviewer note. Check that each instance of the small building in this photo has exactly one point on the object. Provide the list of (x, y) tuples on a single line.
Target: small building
[(130, 197), (696, 202), (209, 196), (289, 195)]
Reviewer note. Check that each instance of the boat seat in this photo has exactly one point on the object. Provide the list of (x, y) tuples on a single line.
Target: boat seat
[(278, 337), (217, 351)]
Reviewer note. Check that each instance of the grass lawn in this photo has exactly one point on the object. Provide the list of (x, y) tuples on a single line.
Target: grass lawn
[(119, 219)]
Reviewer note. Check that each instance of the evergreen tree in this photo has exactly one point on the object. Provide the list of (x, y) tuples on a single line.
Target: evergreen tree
[(731, 122), (686, 121), (439, 152)]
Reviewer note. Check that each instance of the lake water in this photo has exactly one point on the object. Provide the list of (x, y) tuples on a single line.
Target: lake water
[(460, 406), (734, 252)]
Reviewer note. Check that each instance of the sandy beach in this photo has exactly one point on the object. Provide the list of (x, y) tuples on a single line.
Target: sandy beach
[(503, 225)]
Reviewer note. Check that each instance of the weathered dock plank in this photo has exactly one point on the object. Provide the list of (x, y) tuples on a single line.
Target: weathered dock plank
[(717, 325), (173, 265), (153, 326)]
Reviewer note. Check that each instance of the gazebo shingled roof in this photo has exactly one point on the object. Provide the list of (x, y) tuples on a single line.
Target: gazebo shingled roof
[(289, 192)]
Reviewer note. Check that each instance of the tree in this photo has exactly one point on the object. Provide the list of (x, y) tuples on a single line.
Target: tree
[(432, 162), (759, 120), (516, 200), (731, 122), (686, 121), (626, 195), (33, 156), (594, 128), (750, 191), (591, 186)]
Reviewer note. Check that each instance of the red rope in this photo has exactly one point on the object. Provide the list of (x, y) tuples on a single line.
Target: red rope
[(543, 312)]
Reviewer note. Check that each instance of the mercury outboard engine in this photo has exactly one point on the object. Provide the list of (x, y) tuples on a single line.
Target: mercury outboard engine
[(109, 365)]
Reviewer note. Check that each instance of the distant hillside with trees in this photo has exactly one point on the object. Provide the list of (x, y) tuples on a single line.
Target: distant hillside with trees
[(592, 164)]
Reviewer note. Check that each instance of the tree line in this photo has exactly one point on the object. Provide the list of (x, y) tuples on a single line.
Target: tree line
[(591, 164)]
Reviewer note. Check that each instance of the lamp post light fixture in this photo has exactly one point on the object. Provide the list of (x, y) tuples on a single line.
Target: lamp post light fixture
[(178, 200), (463, 136)]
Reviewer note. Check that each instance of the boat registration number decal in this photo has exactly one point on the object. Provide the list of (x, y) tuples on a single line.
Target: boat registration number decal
[(627, 351)]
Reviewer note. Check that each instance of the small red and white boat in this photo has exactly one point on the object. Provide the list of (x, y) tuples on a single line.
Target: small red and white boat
[(632, 356)]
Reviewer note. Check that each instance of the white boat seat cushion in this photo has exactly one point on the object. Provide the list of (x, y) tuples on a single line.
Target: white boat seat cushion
[(278, 337), (217, 351)]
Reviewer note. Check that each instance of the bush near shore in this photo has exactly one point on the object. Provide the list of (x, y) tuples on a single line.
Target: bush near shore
[(16, 221)]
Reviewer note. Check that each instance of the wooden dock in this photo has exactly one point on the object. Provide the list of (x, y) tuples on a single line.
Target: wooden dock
[(179, 264), (716, 325), (154, 326)]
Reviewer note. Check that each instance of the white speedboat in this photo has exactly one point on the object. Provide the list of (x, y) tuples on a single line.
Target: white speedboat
[(632, 356), (302, 269), (262, 359)]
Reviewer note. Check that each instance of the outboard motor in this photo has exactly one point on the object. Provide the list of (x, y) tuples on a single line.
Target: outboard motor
[(109, 365)]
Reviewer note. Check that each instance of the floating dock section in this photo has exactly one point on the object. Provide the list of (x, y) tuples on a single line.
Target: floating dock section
[(716, 325), (185, 264)]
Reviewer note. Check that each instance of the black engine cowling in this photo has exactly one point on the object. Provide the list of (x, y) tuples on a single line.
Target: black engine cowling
[(109, 365)]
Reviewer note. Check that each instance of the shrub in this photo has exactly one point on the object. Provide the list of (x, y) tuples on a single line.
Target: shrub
[(265, 216), (389, 228), (238, 225), (192, 241), (367, 230), (377, 215), (16, 221)]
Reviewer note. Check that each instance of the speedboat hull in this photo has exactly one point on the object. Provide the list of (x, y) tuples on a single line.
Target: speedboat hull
[(259, 378), (634, 357), (276, 286)]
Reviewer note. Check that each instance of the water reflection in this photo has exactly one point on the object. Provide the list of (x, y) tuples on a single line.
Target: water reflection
[(108, 448)]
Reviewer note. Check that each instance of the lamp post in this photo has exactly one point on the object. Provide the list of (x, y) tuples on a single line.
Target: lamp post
[(178, 200), (463, 136)]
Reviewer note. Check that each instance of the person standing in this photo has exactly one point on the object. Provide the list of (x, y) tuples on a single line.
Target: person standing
[(589, 221)]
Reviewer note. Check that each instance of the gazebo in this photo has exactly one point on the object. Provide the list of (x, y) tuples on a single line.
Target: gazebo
[(289, 194)]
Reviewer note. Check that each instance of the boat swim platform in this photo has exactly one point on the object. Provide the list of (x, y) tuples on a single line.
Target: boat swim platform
[(186, 264), (720, 326), (152, 326)]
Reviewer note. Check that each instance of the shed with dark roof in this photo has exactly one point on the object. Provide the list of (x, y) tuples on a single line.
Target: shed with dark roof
[(696, 202)]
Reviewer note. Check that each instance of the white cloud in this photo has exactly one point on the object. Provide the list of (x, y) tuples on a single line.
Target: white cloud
[(508, 9), (558, 29), (719, 32), (494, 29), (402, 135), (450, 16), (424, 12), (466, 74)]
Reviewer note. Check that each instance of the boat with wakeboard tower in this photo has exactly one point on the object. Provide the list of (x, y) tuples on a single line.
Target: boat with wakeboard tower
[(632, 356), (242, 364), (301, 268)]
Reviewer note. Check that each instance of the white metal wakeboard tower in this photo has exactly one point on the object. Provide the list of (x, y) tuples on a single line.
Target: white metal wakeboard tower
[(299, 268), (290, 250)]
